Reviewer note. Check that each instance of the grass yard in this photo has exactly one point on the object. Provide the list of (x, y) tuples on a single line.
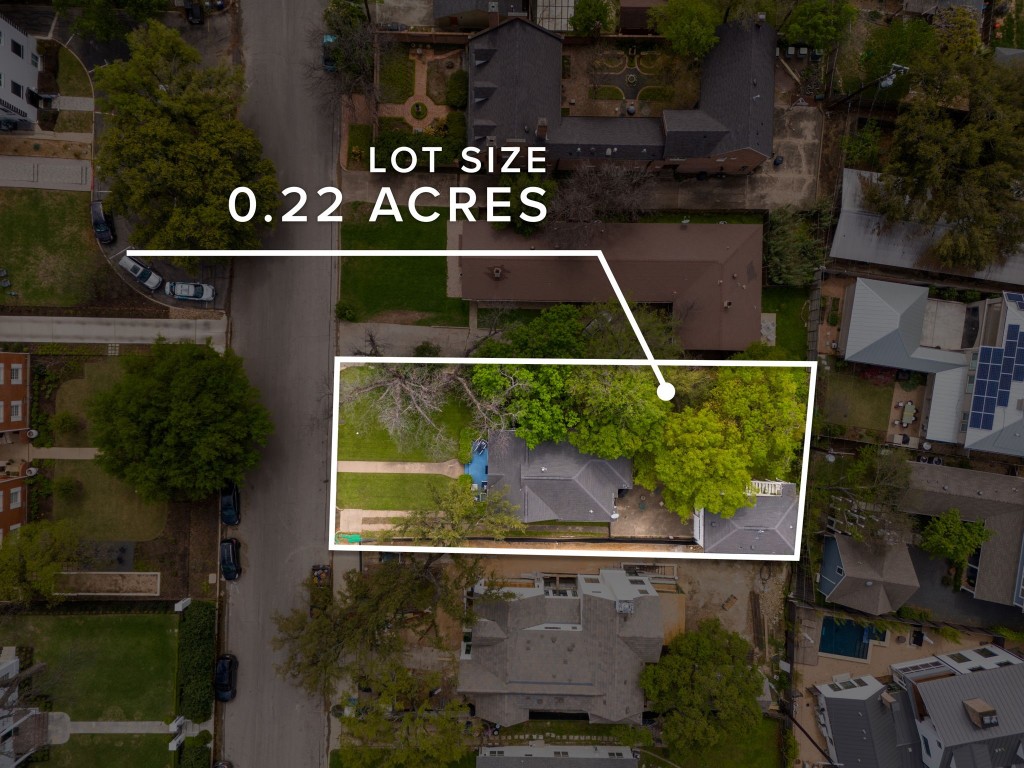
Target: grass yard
[(402, 493), (360, 136), (856, 402), (112, 751), (106, 508), (113, 667), (788, 304), (75, 393), (416, 286), (469, 761), (754, 748), (49, 252), (72, 79), (397, 76), (74, 122)]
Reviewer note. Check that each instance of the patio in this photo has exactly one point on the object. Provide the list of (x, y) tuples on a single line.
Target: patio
[(833, 291), (642, 514), (906, 425)]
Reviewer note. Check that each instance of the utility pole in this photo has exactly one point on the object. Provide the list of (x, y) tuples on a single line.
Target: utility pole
[(885, 81)]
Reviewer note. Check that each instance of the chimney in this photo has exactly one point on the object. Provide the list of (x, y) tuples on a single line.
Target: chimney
[(542, 128), (493, 14), (981, 713)]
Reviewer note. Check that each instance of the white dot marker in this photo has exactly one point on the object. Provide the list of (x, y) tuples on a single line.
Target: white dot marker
[(268, 218), (666, 391)]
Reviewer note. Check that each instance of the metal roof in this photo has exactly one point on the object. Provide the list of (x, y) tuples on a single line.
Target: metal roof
[(864, 729), (946, 409), (1001, 688)]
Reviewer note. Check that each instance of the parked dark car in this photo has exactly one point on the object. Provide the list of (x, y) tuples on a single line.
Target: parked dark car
[(194, 11), (230, 559), (223, 764), (225, 677), (230, 505), (102, 224)]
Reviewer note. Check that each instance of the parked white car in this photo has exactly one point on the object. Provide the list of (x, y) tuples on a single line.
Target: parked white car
[(190, 291)]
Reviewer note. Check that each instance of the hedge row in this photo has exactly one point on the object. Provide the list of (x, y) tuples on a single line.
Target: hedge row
[(197, 651)]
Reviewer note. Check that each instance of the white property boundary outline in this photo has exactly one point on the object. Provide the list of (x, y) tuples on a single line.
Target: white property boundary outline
[(343, 361)]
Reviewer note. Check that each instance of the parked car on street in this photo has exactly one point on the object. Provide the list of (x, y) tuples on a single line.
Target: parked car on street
[(330, 50), (194, 11), (102, 224), (190, 291), (230, 505), (225, 677), (230, 559), (141, 272)]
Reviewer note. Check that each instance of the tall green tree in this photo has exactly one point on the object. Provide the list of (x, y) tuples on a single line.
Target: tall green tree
[(688, 26), (591, 18), (796, 243), (179, 422), (953, 538), (907, 42), (31, 558), (106, 20), (703, 688), (174, 149), (820, 23)]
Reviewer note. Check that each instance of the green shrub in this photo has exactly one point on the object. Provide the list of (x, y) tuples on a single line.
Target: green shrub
[(457, 91), (427, 349), (949, 633), (67, 488), (66, 423), (197, 651), (195, 751), (913, 613), (343, 310), (466, 439), (833, 318)]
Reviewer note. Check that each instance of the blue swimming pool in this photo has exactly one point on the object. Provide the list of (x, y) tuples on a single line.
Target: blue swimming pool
[(477, 467), (847, 638)]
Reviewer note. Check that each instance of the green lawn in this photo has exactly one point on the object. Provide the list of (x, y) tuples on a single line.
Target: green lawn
[(49, 252), (469, 761), (397, 76), (75, 393), (853, 401), (362, 438), (404, 493), (74, 122), (416, 284), (113, 667), (788, 304), (72, 79), (755, 748), (360, 136), (106, 751), (106, 508)]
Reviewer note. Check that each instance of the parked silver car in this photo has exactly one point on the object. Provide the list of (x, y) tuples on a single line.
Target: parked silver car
[(141, 272), (190, 291)]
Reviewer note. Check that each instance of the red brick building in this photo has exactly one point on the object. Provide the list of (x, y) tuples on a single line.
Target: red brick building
[(14, 418)]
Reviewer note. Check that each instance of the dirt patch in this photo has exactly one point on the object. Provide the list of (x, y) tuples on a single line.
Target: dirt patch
[(400, 317), (132, 584), (438, 72), (33, 147)]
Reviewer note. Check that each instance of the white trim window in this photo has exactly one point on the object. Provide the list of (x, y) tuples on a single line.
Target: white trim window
[(16, 411), (15, 373), (15, 498)]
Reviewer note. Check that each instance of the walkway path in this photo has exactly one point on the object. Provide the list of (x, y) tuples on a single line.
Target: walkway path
[(362, 520), (419, 95), (45, 173), (61, 727), (112, 330), (75, 103), (401, 340), (450, 468), (25, 451)]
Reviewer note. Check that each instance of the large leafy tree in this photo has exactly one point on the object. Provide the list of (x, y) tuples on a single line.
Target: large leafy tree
[(820, 23), (590, 18), (907, 42), (688, 25), (105, 20), (181, 421), (31, 558), (703, 688), (174, 149), (953, 538), (796, 243)]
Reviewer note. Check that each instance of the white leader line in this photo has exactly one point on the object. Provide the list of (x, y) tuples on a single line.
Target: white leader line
[(663, 387)]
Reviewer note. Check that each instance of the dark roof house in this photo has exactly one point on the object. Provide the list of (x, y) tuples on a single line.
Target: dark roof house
[(854, 575), (554, 481), (769, 527), (709, 274), (567, 645), (515, 96), (475, 14)]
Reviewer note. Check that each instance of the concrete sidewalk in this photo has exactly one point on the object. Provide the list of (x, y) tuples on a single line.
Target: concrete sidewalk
[(112, 330), (75, 103), (45, 173), (450, 468), (401, 340)]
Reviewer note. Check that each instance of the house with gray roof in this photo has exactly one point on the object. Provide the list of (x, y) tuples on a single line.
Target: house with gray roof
[(854, 575), (556, 756), (515, 97), (768, 527), (476, 14), (554, 481), (996, 572), (939, 712), (561, 645), (864, 236)]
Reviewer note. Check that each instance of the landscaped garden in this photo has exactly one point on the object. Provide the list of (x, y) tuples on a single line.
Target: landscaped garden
[(397, 76), (49, 252), (106, 667)]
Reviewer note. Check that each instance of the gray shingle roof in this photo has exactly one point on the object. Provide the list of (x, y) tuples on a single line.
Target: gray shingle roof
[(541, 756), (874, 582), (1001, 688), (767, 528), (627, 138), (443, 8), (555, 481), (870, 735), (885, 327)]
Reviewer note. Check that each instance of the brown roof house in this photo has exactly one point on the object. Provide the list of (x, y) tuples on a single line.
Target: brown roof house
[(515, 98), (554, 481), (996, 572), (562, 645), (875, 582), (708, 274)]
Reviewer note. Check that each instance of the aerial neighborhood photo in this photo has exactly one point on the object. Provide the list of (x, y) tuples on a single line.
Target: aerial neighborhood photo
[(512, 383)]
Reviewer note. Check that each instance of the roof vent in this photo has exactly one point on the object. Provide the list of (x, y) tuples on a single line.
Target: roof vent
[(887, 699), (726, 305), (981, 713)]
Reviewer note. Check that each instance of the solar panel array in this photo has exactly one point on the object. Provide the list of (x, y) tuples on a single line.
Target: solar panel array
[(998, 367)]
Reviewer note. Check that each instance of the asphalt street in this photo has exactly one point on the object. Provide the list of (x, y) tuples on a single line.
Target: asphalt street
[(282, 325)]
